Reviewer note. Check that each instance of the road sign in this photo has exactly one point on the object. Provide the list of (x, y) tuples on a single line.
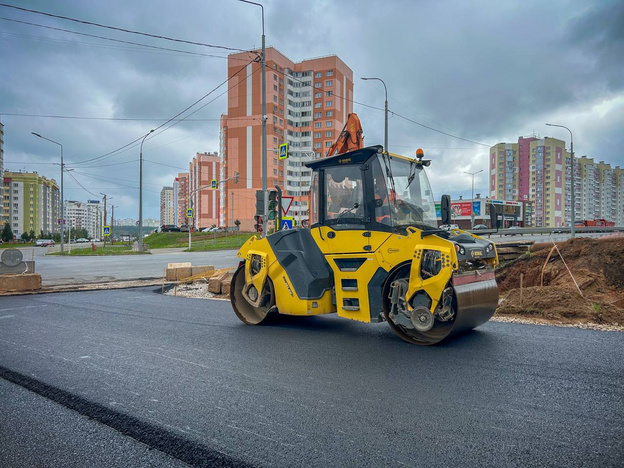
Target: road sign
[(106, 230), (283, 151), (214, 184), (189, 212), (286, 202), (287, 222)]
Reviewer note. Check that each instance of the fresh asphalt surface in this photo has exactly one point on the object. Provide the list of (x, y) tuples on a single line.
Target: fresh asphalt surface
[(188, 383)]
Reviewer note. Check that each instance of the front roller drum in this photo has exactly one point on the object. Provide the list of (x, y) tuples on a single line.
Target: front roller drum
[(246, 312), (474, 301)]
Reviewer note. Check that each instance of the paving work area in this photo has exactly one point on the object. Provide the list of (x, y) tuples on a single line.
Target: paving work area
[(579, 282)]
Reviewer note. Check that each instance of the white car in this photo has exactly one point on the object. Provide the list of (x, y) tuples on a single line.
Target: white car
[(81, 240), (449, 227)]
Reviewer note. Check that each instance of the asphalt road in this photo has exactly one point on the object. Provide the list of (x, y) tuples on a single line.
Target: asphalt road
[(185, 378)]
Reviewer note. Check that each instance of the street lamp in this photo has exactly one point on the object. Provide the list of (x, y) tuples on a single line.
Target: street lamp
[(573, 214), (472, 213), (141, 192), (386, 111), (62, 202), (264, 119)]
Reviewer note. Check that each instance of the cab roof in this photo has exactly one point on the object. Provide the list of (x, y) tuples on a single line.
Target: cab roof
[(359, 156)]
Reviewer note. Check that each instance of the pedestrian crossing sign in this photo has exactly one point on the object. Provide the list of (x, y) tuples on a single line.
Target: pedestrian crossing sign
[(106, 230), (283, 151), (214, 184), (189, 213)]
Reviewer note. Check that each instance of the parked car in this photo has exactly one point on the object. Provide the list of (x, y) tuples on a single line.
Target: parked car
[(169, 228), (184, 228), (44, 243), (449, 227), (82, 240), (478, 227)]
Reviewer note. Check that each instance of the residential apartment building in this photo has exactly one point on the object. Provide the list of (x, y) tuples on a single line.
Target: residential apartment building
[(308, 104), (180, 196), (538, 171), (203, 169), (87, 215), (1, 149), (167, 215), (618, 177), (30, 202)]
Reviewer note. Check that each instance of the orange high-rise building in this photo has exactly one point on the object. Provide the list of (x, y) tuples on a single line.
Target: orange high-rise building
[(308, 104)]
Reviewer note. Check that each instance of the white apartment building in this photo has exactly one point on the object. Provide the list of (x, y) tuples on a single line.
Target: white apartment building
[(167, 212), (86, 215)]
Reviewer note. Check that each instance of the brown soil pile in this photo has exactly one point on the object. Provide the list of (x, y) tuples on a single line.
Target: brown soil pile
[(548, 290)]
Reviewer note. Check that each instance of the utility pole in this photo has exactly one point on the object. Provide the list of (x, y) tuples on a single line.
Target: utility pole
[(112, 222), (104, 223), (472, 213)]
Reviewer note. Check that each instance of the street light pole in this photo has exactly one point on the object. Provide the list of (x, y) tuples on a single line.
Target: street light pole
[(386, 111), (264, 131), (141, 192), (573, 214), (62, 202), (472, 213)]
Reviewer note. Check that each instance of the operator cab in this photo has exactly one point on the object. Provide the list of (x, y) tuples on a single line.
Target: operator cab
[(371, 190)]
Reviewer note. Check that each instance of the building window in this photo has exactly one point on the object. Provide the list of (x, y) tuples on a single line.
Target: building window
[(329, 123), (329, 113), (329, 83), (329, 93), (318, 105), (316, 125), (318, 115), (318, 74), (318, 95), (318, 85), (329, 73), (329, 103)]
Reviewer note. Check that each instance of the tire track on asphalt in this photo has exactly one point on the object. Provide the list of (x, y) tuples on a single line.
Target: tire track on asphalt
[(156, 437)]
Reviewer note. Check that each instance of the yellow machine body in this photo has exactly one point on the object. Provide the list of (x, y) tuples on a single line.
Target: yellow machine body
[(426, 283)]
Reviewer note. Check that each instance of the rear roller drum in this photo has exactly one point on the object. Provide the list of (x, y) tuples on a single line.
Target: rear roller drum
[(242, 308)]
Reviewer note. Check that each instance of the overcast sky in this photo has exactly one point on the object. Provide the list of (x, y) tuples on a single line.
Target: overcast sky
[(484, 71)]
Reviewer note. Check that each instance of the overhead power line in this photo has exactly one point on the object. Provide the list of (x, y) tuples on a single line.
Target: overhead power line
[(129, 31), (74, 117), (167, 49)]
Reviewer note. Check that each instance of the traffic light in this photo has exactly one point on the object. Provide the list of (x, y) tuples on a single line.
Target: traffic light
[(259, 202), (274, 202), (258, 225), (236, 177)]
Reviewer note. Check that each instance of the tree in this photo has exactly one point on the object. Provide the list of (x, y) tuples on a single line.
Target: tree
[(237, 223), (31, 235), (25, 237), (7, 233)]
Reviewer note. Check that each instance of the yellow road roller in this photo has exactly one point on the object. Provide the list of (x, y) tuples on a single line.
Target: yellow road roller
[(372, 252)]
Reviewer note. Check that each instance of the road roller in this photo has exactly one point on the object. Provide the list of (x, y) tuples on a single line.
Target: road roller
[(372, 252)]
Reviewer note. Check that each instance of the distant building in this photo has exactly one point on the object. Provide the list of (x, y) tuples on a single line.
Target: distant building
[(30, 202), (180, 197), (167, 215), (203, 169), (150, 222), (538, 171), (308, 104), (87, 215), (1, 149)]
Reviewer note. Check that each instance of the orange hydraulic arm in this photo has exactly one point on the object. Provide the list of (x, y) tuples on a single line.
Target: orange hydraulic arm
[(350, 139)]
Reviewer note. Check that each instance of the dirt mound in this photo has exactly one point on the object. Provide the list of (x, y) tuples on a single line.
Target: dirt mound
[(549, 290)]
